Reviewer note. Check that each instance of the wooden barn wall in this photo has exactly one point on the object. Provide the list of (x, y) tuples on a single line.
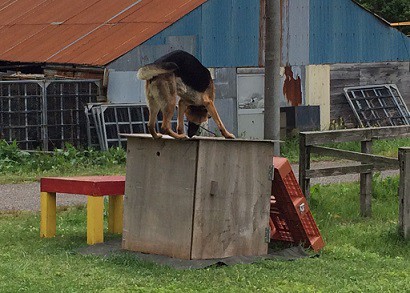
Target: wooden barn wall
[(345, 75), (343, 32)]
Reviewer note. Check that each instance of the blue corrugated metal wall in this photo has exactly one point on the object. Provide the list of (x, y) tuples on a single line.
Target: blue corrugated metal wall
[(340, 31), (189, 25), (227, 32), (343, 32)]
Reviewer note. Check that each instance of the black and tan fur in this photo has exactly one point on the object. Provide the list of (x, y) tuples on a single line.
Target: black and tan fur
[(179, 74)]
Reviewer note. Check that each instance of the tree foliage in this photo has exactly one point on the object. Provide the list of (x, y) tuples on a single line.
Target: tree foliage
[(390, 10)]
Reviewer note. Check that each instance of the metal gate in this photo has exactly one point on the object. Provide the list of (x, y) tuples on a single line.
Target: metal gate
[(46, 114), (378, 105)]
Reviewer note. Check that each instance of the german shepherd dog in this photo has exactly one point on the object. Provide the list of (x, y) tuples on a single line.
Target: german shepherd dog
[(180, 74)]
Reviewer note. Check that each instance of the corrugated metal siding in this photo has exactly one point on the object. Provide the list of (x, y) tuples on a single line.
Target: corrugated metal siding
[(145, 54), (230, 30), (342, 32), (189, 25), (227, 32), (295, 32)]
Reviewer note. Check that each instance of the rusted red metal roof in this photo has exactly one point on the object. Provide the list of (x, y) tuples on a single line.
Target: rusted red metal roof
[(89, 32)]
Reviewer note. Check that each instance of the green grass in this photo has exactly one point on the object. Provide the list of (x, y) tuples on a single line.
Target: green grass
[(361, 255), (388, 148)]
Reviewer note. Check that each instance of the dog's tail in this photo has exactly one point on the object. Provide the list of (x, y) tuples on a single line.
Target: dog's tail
[(149, 71)]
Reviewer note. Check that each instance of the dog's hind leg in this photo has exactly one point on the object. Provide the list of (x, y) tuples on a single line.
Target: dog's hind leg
[(182, 106), (167, 113), (153, 113)]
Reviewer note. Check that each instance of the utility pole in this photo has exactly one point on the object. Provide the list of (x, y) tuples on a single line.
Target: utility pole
[(272, 72)]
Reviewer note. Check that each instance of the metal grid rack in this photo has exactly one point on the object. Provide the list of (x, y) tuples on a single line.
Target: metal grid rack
[(378, 105), (21, 113), (110, 120), (45, 114)]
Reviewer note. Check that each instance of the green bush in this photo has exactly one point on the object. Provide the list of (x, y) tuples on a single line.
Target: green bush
[(11, 157), (67, 160)]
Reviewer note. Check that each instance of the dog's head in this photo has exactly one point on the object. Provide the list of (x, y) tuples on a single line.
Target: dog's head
[(196, 114)]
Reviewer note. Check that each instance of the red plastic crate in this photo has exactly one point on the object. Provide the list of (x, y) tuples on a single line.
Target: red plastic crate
[(290, 216)]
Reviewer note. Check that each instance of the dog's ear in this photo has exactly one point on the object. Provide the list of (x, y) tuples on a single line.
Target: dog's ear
[(192, 129)]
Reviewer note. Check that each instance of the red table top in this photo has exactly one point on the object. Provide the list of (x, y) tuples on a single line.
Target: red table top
[(87, 185)]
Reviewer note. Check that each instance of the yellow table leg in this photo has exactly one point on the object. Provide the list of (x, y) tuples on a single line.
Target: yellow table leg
[(48, 214), (95, 219), (115, 214)]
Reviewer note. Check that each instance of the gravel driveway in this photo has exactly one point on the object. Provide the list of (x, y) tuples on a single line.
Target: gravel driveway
[(26, 196)]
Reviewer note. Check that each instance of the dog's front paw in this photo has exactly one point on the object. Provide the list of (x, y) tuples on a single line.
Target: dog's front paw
[(182, 136), (157, 136), (229, 135)]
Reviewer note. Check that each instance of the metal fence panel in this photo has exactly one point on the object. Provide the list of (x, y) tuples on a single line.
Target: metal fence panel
[(21, 105), (111, 120), (378, 105), (46, 114)]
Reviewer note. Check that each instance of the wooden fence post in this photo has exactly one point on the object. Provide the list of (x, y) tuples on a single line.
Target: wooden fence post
[(404, 192), (366, 184), (304, 164)]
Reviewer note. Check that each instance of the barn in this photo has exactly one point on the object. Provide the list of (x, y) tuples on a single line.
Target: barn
[(58, 57)]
